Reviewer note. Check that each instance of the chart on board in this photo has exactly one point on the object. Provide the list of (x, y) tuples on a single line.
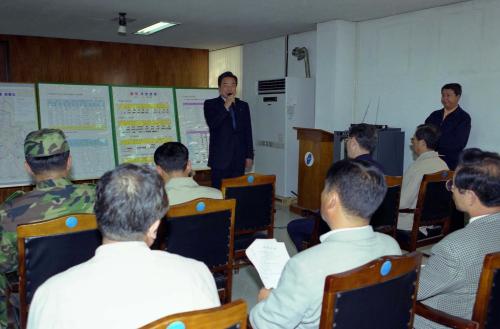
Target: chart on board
[(144, 119), (193, 129), (18, 116), (83, 112)]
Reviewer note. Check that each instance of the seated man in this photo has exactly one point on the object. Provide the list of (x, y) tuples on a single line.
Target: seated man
[(48, 160), (173, 164), (353, 191), (449, 280), (360, 144), (126, 284), (424, 143)]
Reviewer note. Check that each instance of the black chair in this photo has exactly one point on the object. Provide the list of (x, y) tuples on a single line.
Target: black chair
[(254, 216), (377, 295), (486, 313), (434, 207), (49, 247), (385, 219), (203, 229), (229, 316)]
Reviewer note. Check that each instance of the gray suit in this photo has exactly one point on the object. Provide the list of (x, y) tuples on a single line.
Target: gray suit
[(449, 280), (296, 302)]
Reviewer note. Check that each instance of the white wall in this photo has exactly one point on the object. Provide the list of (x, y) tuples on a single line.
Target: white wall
[(262, 60), (335, 76), (402, 62), (266, 60), (229, 59), (396, 65)]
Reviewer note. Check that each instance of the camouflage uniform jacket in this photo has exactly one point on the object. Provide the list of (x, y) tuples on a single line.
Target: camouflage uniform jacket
[(50, 199)]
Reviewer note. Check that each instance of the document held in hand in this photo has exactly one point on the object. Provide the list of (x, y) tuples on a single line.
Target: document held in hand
[(269, 258)]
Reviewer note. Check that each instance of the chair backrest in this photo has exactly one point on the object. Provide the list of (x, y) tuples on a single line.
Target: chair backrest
[(52, 246), (377, 295), (203, 229), (385, 218), (434, 200), (228, 316), (487, 307), (254, 196)]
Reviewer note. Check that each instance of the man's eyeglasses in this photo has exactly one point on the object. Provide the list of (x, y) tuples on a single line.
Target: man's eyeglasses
[(449, 184)]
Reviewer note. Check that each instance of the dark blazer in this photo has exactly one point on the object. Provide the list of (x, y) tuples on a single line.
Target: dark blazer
[(228, 145), (368, 158), (455, 130)]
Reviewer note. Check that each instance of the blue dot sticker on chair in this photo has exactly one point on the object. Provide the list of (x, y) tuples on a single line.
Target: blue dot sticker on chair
[(250, 179), (71, 221), (176, 325), (200, 206), (386, 268)]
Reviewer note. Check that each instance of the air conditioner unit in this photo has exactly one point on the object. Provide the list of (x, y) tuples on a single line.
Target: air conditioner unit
[(278, 106)]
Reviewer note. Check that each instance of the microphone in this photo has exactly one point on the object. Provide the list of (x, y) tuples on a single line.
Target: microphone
[(234, 101)]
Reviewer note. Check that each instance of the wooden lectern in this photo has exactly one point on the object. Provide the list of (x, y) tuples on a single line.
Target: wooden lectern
[(315, 157)]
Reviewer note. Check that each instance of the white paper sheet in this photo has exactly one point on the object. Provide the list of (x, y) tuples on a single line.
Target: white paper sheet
[(269, 258)]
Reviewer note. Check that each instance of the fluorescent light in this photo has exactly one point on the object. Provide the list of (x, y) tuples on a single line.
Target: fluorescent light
[(155, 28)]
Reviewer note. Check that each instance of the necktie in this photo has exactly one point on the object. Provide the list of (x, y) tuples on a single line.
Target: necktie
[(233, 117)]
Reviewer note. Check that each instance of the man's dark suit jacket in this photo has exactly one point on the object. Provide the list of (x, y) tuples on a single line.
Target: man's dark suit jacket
[(455, 130), (228, 146)]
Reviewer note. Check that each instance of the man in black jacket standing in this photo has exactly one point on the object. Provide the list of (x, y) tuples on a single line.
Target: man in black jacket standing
[(453, 122), (228, 118)]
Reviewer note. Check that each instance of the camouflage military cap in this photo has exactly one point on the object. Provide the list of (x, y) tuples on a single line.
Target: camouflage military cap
[(45, 142)]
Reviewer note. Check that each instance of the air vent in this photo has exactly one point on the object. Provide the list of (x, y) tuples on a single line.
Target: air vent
[(276, 86)]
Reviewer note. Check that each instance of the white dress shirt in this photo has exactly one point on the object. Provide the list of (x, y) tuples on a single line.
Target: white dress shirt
[(125, 285)]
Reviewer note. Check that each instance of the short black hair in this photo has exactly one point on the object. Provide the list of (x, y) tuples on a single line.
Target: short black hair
[(40, 165), (456, 87), (172, 156), (479, 171), (227, 74), (360, 185), (430, 134), (129, 199), (365, 134)]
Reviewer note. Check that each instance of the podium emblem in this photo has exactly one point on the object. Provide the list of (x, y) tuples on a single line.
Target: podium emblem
[(309, 159)]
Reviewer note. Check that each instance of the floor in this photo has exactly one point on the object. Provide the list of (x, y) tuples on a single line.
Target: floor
[(246, 283)]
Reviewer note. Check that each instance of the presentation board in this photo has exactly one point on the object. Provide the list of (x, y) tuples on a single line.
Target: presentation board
[(193, 129), (104, 125), (144, 118), (18, 116), (83, 112)]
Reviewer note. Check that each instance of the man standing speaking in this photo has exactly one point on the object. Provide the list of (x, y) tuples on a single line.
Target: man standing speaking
[(228, 118)]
